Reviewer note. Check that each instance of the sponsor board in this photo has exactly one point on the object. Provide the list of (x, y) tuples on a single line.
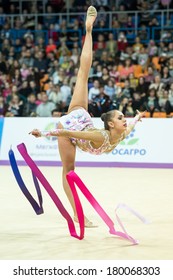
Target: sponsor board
[(150, 141)]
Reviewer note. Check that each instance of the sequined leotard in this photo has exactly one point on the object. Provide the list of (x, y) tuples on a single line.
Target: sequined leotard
[(80, 120)]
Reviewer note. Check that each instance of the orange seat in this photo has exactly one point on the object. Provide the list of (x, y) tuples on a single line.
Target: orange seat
[(120, 67), (170, 115), (159, 115), (44, 86), (120, 84), (138, 71), (147, 115), (155, 61)]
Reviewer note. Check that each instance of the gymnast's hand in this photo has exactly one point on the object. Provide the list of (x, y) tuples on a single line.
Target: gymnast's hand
[(36, 133), (140, 115)]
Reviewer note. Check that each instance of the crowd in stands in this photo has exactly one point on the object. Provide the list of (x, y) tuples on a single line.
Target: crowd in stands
[(129, 73)]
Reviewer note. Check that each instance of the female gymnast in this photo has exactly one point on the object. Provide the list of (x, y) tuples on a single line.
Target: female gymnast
[(76, 129)]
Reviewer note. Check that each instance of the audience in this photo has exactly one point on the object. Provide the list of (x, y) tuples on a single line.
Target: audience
[(39, 60)]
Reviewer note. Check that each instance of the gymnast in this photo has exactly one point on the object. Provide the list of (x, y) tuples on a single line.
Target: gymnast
[(76, 129)]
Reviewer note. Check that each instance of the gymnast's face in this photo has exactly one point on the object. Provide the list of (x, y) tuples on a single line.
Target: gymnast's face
[(118, 122)]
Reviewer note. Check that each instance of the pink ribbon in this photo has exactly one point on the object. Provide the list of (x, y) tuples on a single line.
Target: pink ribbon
[(74, 181)]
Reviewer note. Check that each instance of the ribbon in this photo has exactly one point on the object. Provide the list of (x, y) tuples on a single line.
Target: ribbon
[(73, 181)]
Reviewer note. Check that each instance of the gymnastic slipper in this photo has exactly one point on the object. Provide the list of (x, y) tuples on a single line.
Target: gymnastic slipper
[(88, 224), (91, 12), (91, 16)]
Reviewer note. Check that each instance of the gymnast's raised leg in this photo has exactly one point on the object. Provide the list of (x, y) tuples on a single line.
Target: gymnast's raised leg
[(79, 99)]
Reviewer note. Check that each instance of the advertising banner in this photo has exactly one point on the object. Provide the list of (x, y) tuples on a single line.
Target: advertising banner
[(151, 142)]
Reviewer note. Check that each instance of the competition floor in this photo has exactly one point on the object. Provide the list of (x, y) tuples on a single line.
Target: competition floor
[(24, 235)]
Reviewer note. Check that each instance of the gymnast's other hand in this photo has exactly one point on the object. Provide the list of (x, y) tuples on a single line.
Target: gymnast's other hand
[(140, 115), (36, 133)]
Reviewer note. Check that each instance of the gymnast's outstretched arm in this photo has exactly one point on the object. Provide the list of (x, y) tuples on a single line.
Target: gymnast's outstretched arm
[(94, 136), (132, 124)]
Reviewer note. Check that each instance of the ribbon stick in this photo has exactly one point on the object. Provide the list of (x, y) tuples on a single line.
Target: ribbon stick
[(73, 180)]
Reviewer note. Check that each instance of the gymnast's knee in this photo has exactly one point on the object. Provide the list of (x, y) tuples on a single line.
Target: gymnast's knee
[(68, 168)]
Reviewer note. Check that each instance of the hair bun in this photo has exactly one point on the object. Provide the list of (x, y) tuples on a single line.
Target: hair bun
[(103, 116)]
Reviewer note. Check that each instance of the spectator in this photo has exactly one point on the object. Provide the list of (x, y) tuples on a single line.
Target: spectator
[(152, 102), (73, 77), (30, 106), (126, 69), (101, 104), (75, 56), (46, 107), (34, 88), (122, 42), (40, 63), (109, 89), (2, 106), (144, 7), (122, 16), (26, 57), (28, 41), (49, 18), (103, 101), (138, 45), (170, 66), (126, 107), (51, 47), (6, 91), (170, 49), (143, 58), (15, 106), (170, 96), (100, 49), (70, 68), (127, 91), (29, 20), (24, 90), (165, 76), (56, 96), (105, 76), (111, 45), (2, 17), (66, 93), (130, 34), (93, 91), (40, 34), (133, 81), (115, 73), (162, 49), (164, 103), (3, 67), (5, 47), (154, 23), (58, 76), (149, 75), (143, 33), (16, 31), (152, 49), (25, 72), (142, 87), (56, 113), (157, 85), (137, 102)]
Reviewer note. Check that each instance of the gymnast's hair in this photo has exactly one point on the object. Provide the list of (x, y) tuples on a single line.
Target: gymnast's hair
[(107, 117)]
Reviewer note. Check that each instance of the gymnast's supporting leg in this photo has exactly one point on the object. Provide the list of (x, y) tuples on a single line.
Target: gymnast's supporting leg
[(80, 99), (80, 95)]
